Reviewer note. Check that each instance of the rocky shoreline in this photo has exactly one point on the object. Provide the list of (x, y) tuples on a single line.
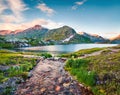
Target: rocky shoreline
[(50, 78)]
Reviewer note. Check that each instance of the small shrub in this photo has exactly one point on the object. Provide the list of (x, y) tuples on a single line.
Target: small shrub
[(69, 63), (86, 77), (76, 63), (24, 75), (46, 55)]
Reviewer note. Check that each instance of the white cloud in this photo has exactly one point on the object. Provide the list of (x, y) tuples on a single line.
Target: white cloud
[(51, 24), (16, 7), (46, 23), (77, 4), (44, 8), (2, 6), (9, 18)]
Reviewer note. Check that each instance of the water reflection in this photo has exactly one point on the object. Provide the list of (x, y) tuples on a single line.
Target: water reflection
[(65, 48)]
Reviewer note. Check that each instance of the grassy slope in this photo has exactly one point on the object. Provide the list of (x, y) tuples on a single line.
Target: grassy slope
[(19, 66), (81, 52), (100, 72)]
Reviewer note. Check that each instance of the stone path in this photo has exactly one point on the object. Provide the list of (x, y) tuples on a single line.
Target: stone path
[(49, 78)]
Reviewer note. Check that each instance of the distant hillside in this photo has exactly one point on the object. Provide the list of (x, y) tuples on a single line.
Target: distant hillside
[(94, 38), (116, 39), (34, 32), (9, 32), (5, 32)]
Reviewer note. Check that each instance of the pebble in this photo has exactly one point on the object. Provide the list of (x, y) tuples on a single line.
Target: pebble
[(42, 89), (61, 79), (57, 88), (66, 85)]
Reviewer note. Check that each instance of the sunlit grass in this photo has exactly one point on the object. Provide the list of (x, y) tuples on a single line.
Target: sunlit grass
[(18, 65), (81, 52), (78, 68), (100, 72)]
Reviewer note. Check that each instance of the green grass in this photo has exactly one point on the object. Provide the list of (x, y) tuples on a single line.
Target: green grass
[(78, 68), (100, 72), (46, 55), (10, 59), (81, 52), (18, 65), (7, 45), (105, 62), (107, 67)]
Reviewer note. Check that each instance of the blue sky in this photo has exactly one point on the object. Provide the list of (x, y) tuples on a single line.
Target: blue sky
[(100, 17)]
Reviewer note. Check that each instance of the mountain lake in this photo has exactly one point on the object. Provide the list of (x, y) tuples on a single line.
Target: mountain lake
[(59, 49)]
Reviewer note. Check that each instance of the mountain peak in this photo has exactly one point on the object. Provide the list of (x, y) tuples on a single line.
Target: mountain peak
[(81, 33), (65, 26), (17, 31), (37, 27)]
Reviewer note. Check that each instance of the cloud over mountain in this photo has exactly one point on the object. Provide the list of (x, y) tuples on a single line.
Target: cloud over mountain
[(46, 23)]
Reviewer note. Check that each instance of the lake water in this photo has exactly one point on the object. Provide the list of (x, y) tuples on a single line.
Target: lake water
[(58, 49)]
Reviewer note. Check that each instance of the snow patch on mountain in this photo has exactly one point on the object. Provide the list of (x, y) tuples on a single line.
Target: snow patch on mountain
[(67, 39)]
